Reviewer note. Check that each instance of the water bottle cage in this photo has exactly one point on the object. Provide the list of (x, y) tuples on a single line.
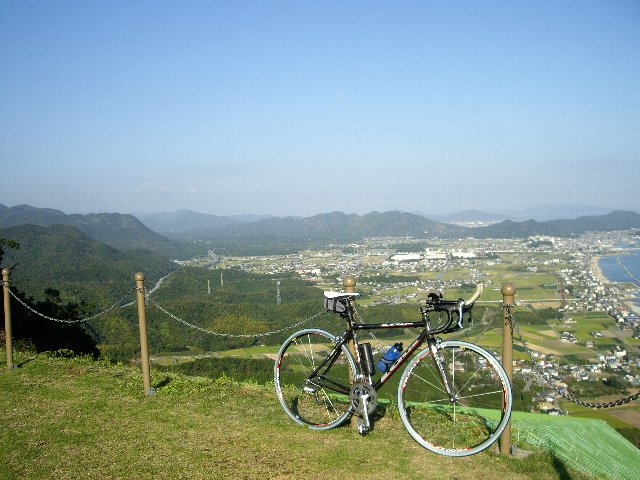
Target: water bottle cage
[(389, 358)]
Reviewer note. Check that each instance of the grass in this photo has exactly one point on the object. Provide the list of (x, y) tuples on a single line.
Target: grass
[(76, 418)]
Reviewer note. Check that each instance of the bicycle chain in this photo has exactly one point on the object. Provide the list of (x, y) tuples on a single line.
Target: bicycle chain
[(565, 394)]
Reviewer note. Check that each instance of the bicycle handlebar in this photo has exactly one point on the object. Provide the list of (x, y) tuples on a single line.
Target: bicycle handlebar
[(451, 307), (475, 295), (441, 304)]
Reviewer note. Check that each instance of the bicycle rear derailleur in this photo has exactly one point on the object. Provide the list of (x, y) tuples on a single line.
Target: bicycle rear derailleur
[(363, 399)]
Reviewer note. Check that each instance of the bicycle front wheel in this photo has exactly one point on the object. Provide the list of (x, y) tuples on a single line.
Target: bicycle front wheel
[(321, 402), (472, 417)]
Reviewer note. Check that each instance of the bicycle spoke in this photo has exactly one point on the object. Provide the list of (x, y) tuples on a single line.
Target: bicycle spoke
[(313, 365), (439, 386), (476, 417), (470, 378), (481, 394), (298, 358), (312, 402), (475, 422)]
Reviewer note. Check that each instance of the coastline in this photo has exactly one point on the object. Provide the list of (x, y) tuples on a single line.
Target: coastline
[(597, 272)]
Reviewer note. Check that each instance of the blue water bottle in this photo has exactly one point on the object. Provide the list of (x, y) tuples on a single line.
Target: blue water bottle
[(389, 357)]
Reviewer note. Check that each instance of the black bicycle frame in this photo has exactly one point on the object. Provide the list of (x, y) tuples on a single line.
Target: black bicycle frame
[(350, 334), (419, 340), (427, 334)]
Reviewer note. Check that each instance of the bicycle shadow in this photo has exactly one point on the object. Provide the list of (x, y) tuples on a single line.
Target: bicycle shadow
[(162, 383), (378, 414), (561, 469)]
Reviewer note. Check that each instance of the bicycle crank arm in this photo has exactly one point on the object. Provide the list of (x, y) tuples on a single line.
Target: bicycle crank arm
[(363, 399), (364, 424)]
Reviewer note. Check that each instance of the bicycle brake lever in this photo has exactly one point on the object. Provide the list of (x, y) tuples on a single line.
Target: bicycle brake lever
[(461, 304)]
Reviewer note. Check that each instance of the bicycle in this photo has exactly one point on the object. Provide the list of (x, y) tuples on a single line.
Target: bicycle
[(454, 397)]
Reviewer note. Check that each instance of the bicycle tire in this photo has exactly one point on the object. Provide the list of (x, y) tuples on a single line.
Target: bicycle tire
[(300, 354), (474, 419)]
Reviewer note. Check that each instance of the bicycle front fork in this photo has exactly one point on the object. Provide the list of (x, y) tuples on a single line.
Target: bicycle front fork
[(433, 348)]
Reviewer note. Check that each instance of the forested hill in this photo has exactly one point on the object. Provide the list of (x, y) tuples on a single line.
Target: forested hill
[(617, 220), (341, 227), (290, 234), (182, 221), (334, 226), (64, 258), (121, 231)]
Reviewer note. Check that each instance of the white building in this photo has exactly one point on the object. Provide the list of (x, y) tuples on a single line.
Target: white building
[(406, 257)]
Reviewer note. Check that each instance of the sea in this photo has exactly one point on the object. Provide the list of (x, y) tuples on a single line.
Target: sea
[(623, 267)]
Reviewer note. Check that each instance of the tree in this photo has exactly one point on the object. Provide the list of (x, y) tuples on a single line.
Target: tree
[(47, 335), (6, 242)]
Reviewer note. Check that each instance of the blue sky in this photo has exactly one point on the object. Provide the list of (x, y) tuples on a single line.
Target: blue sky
[(298, 108)]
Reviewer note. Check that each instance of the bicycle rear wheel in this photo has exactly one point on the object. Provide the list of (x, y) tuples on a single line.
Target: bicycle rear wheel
[(320, 403), (474, 418)]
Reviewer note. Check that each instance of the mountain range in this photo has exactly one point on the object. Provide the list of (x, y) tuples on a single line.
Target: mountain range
[(616, 220), (83, 253), (342, 227), (187, 233), (187, 220), (120, 231), (540, 214)]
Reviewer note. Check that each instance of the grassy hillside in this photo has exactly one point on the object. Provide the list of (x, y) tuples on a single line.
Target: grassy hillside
[(75, 418)]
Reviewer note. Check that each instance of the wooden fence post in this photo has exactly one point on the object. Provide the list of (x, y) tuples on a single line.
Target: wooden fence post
[(7, 318), (508, 299), (349, 284), (144, 345)]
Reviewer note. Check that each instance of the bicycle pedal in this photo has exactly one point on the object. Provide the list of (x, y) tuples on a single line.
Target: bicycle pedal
[(363, 428)]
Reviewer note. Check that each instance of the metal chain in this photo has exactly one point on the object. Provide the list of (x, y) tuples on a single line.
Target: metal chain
[(563, 393), (487, 328), (61, 320), (508, 322), (147, 299), (229, 335)]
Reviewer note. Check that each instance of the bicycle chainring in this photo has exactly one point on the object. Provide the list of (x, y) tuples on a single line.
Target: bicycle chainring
[(363, 391)]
